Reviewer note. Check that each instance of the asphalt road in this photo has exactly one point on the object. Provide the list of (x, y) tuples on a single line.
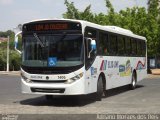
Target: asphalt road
[(144, 99)]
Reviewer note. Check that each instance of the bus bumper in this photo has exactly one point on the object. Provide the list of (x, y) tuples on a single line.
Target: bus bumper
[(75, 88)]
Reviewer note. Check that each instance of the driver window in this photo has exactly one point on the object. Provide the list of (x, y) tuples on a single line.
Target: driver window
[(90, 33)]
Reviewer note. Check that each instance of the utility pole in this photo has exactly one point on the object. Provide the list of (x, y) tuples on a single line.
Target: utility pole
[(8, 54)]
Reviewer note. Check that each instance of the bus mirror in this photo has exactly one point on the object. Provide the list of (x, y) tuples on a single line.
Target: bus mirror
[(91, 46), (16, 42)]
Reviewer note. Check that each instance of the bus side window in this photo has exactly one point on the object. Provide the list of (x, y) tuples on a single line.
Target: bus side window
[(113, 44), (134, 47), (121, 45), (103, 44), (143, 45), (139, 48), (128, 46)]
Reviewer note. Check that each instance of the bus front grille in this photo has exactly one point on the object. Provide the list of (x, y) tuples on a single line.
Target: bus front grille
[(48, 81), (48, 90)]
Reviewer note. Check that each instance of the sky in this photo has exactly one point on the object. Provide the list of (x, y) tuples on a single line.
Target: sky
[(14, 12)]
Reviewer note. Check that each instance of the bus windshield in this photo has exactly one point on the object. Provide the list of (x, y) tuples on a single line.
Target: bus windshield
[(61, 50)]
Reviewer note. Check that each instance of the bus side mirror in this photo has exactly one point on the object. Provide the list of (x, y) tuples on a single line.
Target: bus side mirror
[(16, 42), (91, 46)]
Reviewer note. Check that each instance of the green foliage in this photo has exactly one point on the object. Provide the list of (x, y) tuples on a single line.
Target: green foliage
[(109, 6), (15, 59), (72, 12), (153, 27), (139, 20), (153, 9)]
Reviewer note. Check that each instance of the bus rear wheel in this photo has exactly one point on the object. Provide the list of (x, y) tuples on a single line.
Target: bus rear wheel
[(134, 81), (99, 93)]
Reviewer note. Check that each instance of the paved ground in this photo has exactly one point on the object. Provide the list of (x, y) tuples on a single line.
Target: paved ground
[(144, 99), (10, 73)]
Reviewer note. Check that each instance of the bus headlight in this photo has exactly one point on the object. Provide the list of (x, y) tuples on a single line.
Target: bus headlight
[(73, 79), (25, 78)]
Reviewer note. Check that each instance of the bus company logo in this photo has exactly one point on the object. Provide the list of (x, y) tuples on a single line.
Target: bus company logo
[(103, 65), (113, 64)]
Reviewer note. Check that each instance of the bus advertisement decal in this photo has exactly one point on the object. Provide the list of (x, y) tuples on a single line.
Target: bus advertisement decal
[(140, 65), (125, 69), (93, 71)]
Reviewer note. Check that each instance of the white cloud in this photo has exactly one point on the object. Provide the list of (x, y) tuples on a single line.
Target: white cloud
[(6, 2)]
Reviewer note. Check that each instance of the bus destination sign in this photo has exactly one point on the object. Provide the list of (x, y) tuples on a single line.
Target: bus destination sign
[(51, 26), (44, 27)]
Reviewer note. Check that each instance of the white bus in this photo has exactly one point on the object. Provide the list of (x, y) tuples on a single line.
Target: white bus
[(75, 57)]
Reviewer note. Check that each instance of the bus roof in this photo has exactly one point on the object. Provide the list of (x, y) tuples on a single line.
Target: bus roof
[(113, 29)]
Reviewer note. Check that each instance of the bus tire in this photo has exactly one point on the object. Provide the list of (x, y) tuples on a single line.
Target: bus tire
[(99, 89), (134, 81), (49, 97)]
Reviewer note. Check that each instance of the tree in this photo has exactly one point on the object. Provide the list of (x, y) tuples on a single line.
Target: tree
[(15, 60), (72, 12), (14, 56), (153, 27), (111, 15), (153, 8)]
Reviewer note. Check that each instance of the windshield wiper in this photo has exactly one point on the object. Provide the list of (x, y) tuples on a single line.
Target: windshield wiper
[(38, 39)]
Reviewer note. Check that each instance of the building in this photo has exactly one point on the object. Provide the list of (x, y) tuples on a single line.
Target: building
[(3, 39)]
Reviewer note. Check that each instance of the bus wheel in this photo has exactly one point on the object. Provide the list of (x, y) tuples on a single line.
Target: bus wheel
[(49, 97), (99, 89), (134, 82)]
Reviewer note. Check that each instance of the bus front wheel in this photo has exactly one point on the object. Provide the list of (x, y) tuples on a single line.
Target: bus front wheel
[(99, 89)]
